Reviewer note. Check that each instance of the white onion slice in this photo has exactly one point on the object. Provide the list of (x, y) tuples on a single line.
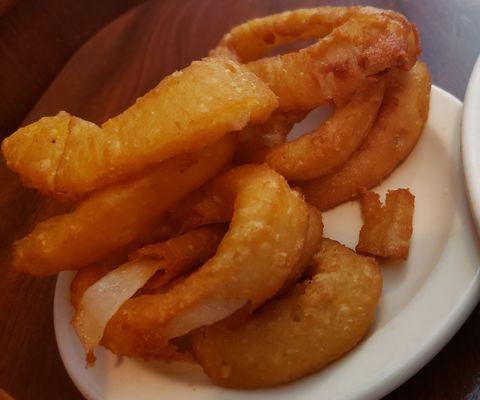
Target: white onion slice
[(103, 299), (203, 314)]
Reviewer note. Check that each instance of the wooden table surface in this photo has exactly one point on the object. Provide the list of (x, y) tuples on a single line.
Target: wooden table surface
[(42, 45)]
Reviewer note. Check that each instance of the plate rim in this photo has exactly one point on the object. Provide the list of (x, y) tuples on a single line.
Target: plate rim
[(469, 159), (425, 351), (463, 308)]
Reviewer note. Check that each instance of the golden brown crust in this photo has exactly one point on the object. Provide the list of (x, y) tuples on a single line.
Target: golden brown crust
[(387, 229), (354, 43), (180, 254), (398, 126), (257, 140), (118, 215), (211, 204), (256, 257), (317, 322), (66, 156), (321, 151)]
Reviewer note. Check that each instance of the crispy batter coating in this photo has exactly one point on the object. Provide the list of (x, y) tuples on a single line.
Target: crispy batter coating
[(67, 156), (118, 215), (256, 257), (398, 126), (258, 37), (271, 301), (387, 229), (178, 255), (211, 204), (355, 42), (334, 67), (314, 324), (312, 245), (321, 151), (256, 140), (103, 298)]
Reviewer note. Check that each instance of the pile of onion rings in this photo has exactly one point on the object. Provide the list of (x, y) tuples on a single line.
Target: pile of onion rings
[(197, 232)]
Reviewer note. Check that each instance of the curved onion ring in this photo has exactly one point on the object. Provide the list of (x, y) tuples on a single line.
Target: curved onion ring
[(321, 151), (67, 156), (181, 254), (355, 43), (256, 257), (118, 215), (213, 203), (103, 298), (396, 130), (314, 324)]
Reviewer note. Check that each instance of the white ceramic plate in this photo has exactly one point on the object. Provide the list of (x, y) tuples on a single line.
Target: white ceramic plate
[(425, 300), (471, 140)]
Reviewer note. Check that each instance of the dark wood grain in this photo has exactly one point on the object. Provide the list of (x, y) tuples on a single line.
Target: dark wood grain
[(37, 37), (6, 5), (120, 63)]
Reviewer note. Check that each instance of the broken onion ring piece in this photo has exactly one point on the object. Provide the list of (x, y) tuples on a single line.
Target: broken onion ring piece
[(387, 229)]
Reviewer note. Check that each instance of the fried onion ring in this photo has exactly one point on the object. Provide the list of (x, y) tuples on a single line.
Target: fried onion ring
[(103, 298), (355, 43), (314, 324), (256, 257), (321, 151), (181, 253), (213, 203), (68, 156), (396, 130), (118, 215)]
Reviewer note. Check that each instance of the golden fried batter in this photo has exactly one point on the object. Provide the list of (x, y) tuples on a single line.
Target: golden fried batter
[(398, 126), (355, 42), (387, 229), (118, 215), (67, 156), (258, 254), (321, 151), (317, 322)]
